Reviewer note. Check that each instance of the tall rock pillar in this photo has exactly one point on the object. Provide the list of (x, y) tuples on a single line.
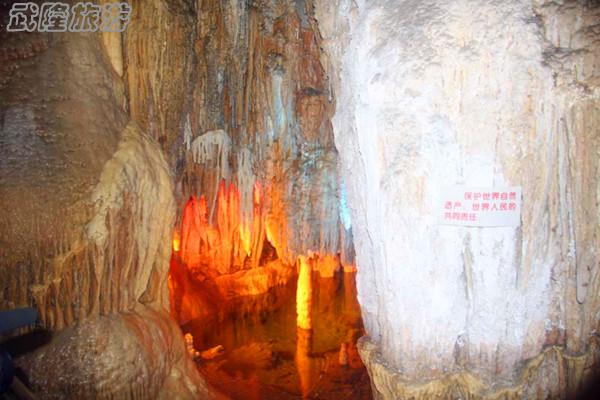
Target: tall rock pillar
[(480, 94)]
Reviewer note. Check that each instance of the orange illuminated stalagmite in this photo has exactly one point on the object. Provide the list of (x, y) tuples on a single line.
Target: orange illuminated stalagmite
[(304, 295), (230, 242), (194, 231), (327, 265)]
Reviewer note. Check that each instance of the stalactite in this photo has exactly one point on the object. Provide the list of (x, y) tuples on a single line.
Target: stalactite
[(245, 182), (212, 150), (265, 85), (213, 147)]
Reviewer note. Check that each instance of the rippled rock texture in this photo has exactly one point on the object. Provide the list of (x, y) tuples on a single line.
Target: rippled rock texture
[(237, 97), (87, 209), (436, 93), (257, 152)]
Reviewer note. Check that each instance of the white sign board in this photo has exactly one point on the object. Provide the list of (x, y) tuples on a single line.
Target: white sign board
[(472, 206)]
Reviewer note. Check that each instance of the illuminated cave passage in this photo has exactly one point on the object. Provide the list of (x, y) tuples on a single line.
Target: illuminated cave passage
[(261, 326), (271, 199)]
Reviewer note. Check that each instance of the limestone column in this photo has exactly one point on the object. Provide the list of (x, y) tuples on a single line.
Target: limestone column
[(480, 94)]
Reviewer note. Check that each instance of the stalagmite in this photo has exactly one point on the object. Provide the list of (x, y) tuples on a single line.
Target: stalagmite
[(304, 294), (176, 241), (189, 346)]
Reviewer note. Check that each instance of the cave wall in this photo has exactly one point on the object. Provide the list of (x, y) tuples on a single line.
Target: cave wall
[(257, 115), (236, 95), (62, 122), (483, 94), (87, 208)]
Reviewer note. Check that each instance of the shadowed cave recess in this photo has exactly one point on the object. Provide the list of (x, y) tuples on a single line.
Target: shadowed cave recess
[(301, 199)]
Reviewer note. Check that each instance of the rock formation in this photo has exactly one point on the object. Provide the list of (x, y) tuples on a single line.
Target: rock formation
[(436, 93), (254, 158), (210, 119), (87, 206), (258, 118), (245, 135)]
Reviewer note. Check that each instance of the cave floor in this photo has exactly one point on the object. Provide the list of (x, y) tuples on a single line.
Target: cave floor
[(267, 357)]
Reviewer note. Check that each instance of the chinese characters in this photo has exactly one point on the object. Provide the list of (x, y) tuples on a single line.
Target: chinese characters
[(61, 17), (481, 207)]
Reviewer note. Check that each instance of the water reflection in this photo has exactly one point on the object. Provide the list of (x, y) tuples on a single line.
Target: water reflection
[(304, 360), (268, 357)]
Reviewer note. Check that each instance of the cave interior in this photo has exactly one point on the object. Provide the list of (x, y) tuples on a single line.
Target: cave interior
[(299, 199)]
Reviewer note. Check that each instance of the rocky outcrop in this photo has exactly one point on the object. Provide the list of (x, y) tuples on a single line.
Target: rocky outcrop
[(61, 123), (133, 355), (87, 210), (438, 93)]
